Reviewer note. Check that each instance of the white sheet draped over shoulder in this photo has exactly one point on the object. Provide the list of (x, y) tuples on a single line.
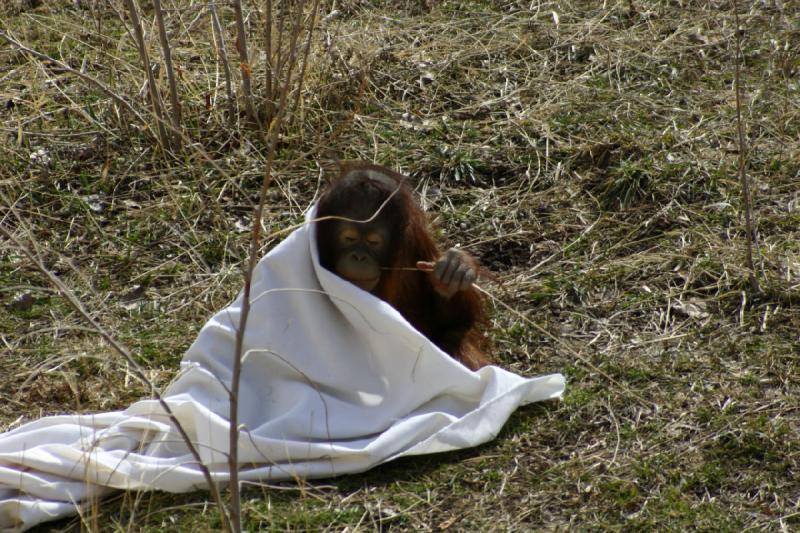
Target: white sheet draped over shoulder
[(334, 381)]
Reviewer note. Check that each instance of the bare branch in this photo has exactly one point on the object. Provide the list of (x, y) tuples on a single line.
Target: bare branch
[(122, 351), (155, 98), (166, 52), (244, 63), (746, 198), (223, 55), (268, 63), (61, 65)]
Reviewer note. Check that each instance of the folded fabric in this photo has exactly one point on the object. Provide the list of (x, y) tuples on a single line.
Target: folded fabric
[(334, 381)]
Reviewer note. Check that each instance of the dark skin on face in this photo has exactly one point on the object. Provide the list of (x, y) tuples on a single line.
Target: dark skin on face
[(361, 250), (386, 249)]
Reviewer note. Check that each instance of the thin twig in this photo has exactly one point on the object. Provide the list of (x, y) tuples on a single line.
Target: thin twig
[(233, 456), (268, 63), (166, 52), (120, 100), (746, 198), (155, 97), (222, 53), (244, 63), (125, 353), (429, 268), (75, 72), (566, 346), (272, 139), (306, 53)]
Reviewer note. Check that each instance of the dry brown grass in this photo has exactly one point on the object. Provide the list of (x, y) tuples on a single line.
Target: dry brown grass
[(585, 152)]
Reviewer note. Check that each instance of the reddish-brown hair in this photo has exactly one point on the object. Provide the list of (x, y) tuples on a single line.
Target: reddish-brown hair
[(454, 324)]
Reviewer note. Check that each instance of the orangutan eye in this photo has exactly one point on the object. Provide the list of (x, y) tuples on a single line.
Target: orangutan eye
[(374, 240), (348, 236)]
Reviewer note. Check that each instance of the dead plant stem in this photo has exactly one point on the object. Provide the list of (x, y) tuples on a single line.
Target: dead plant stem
[(125, 354), (552, 337), (272, 139), (66, 68), (222, 53), (268, 62), (167, 54), (155, 97), (567, 347), (306, 53), (244, 63), (746, 197)]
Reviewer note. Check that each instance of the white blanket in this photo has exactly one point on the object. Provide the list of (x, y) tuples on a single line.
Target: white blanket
[(334, 381)]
